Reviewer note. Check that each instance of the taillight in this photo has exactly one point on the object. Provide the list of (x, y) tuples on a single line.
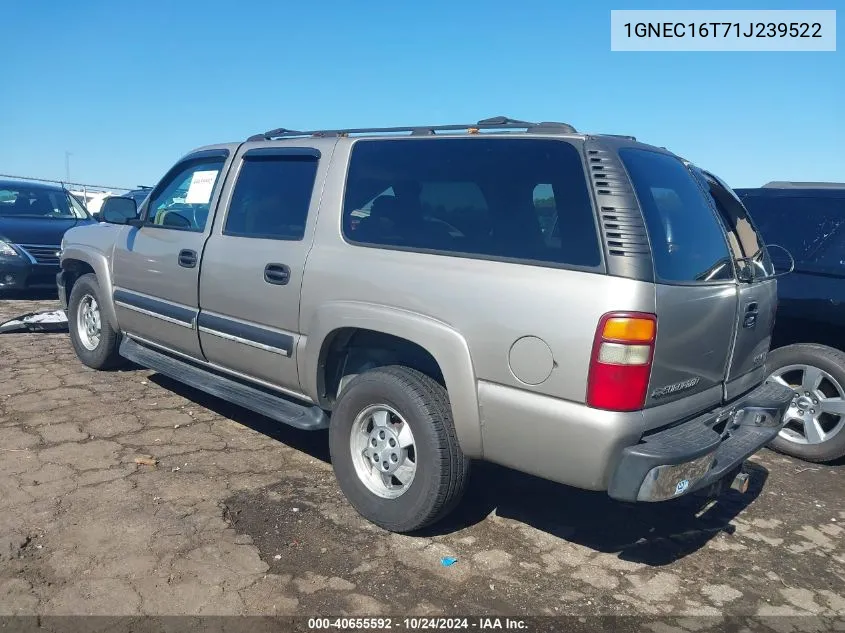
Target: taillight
[(620, 366)]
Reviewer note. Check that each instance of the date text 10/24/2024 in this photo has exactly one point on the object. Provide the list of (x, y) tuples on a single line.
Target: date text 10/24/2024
[(417, 624)]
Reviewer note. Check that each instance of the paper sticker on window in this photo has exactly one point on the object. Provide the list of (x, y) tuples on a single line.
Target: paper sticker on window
[(202, 183)]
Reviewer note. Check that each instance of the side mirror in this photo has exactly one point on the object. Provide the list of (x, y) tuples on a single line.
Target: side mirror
[(782, 260), (118, 210)]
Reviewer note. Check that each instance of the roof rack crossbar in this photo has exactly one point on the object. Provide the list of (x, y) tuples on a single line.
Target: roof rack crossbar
[(494, 123)]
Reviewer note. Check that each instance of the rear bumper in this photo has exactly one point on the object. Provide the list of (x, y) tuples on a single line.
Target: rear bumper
[(701, 451)]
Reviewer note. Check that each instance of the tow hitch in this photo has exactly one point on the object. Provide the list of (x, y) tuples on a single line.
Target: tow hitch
[(740, 483)]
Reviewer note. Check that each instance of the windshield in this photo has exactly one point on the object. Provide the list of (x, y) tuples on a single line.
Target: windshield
[(39, 202)]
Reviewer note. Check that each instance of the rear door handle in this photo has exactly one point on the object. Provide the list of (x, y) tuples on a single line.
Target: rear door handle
[(187, 258), (277, 274)]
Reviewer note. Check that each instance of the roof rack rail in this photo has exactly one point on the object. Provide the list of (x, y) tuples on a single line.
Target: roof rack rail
[(493, 123), (784, 184)]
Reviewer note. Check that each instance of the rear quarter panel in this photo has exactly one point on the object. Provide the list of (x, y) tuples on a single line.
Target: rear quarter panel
[(489, 304)]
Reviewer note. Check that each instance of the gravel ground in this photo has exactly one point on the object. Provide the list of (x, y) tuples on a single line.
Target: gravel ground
[(241, 515)]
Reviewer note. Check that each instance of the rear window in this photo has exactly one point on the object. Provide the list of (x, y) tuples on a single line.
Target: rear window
[(513, 199), (687, 241), (800, 223)]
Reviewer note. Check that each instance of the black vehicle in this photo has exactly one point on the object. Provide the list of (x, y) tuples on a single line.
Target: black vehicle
[(138, 195), (808, 219), (33, 219)]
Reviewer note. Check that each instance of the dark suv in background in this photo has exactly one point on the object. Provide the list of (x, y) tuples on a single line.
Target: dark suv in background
[(808, 219)]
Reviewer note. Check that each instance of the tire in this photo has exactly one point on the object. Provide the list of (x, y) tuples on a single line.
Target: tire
[(787, 362), (103, 355), (440, 467)]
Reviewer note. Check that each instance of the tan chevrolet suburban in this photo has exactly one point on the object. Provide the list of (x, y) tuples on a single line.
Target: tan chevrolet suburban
[(580, 307)]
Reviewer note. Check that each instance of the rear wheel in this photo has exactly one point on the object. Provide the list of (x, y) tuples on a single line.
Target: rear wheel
[(94, 340), (394, 449), (814, 425)]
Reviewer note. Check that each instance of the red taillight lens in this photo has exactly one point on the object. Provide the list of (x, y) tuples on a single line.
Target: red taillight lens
[(620, 366)]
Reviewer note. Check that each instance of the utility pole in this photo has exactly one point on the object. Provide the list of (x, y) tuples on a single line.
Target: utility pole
[(67, 165)]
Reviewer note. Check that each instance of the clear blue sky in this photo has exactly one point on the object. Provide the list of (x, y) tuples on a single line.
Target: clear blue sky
[(128, 87)]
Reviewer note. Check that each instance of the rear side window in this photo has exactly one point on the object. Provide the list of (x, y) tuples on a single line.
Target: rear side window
[(800, 224), (687, 241), (271, 197), (473, 197)]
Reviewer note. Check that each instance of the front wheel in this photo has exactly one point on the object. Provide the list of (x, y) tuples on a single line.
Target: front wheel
[(814, 424), (94, 340), (394, 449)]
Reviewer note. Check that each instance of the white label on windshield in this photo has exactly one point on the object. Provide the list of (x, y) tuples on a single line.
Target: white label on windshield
[(202, 183)]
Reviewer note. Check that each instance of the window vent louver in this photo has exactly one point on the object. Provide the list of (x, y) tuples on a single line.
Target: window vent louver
[(621, 221)]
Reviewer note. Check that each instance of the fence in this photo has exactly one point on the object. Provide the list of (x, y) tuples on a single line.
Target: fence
[(69, 185)]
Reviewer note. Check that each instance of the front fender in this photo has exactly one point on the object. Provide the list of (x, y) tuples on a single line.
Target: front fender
[(99, 262), (447, 346)]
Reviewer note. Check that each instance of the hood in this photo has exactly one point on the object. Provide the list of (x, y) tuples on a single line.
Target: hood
[(45, 231)]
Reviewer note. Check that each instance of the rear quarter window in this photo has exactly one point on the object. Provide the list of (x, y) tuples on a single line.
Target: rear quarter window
[(687, 241), (473, 197)]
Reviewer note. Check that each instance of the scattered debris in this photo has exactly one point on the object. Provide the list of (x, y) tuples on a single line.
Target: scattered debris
[(144, 382), (448, 561), (176, 426), (296, 509), (277, 557), (156, 498), (146, 460), (804, 470), (47, 321), (175, 469)]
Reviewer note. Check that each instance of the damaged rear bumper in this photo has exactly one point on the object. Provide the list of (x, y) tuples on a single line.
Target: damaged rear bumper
[(701, 451)]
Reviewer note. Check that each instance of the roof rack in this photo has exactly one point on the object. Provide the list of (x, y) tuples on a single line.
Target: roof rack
[(493, 123), (783, 184)]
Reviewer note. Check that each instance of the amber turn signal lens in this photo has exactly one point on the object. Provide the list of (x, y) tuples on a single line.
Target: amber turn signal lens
[(629, 329)]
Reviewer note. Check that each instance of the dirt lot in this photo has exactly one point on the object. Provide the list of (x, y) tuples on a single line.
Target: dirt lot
[(242, 516)]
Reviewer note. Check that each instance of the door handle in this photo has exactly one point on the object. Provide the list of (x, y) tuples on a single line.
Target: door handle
[(187, 258), (277, 274), (749, 320)]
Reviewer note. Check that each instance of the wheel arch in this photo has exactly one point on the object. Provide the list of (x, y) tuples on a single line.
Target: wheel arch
[(337, 323), (77, 262)]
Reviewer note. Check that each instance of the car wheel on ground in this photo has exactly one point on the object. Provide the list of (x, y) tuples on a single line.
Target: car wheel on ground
[(394, 449), (814, 428), (94, 340)]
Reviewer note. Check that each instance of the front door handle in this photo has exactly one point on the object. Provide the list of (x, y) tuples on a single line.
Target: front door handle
[(277, 274), (187, 258), (749, 320)]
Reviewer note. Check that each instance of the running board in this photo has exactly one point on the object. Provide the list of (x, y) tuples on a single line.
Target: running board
[(276, 407)]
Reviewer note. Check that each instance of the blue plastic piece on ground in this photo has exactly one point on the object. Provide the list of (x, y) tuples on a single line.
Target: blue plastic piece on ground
[(448, 561)]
